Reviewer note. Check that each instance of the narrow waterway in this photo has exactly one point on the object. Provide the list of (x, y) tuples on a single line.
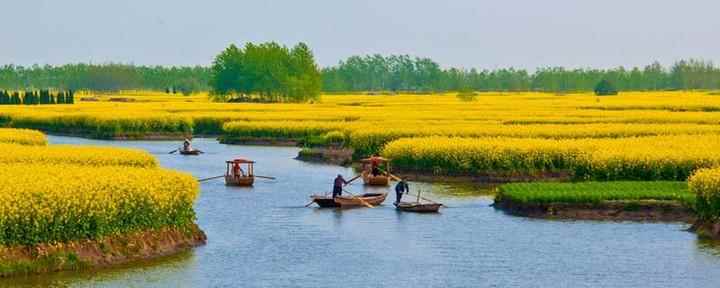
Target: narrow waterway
[(264, 237)]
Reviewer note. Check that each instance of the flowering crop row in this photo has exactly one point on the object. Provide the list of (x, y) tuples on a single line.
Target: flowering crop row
[(72, 202), (632, 158)]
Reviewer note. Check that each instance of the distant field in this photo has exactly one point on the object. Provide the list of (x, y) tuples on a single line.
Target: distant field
[(572, 128)]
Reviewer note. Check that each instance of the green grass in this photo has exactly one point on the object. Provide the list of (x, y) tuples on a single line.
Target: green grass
[(595, 192)]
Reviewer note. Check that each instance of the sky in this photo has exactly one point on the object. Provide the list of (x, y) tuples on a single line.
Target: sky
[(455, 33)]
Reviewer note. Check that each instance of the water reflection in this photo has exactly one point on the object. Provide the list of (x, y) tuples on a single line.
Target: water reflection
[(709, 246), (153, 269)]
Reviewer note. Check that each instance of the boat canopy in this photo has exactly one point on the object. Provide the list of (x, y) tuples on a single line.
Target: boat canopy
[(239, 160), (368, 160)]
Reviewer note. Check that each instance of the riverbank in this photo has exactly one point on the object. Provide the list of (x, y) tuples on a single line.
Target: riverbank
[(330, 155), (267, 141), (94, 254), (706, 229), (647, 210)]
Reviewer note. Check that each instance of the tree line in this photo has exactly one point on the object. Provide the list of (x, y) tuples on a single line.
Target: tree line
[(105, 77), (41, 97), (405, 73), (272, 72), (266, 72)]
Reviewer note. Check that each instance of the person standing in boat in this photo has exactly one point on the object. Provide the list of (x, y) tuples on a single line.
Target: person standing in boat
[(401, 188), (338, 185)]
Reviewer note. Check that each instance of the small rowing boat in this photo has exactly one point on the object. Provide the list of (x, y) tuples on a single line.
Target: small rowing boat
[(373, 174), (372, 199), (375, 180), (190, 152), (235, 175), (418, 207)]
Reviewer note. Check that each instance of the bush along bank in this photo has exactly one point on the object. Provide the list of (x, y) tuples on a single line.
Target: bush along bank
[(705, 184)]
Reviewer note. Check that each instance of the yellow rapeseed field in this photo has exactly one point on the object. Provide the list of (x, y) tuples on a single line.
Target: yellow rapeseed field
[(157, 114), (369, 122), (59, 193), (22, 137), (79, 155), (70, 202), (640, 158)]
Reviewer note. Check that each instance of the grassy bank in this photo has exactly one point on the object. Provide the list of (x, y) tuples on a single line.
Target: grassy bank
[(596, 192), (641, 201)]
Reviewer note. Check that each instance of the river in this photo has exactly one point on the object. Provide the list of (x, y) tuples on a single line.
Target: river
[(265, 237)]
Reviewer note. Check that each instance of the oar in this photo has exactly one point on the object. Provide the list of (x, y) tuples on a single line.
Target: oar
[(361, 200), (265, 177), (353, 179), (172, 152), (211, 178), (395, 177), (311, 202)]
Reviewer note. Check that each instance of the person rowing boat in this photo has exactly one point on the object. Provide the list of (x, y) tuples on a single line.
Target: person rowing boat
[(338, 185), (187, 146)]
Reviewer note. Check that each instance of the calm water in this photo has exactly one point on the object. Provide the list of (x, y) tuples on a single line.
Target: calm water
[(264, 237)]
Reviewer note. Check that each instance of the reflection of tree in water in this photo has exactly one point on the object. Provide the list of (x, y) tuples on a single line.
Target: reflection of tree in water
[(452, 190), (709, 246)]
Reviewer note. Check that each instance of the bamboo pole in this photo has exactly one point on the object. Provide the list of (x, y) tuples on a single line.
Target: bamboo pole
[(210, 178)]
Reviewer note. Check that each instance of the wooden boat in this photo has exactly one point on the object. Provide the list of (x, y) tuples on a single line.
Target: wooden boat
[(373, 199), (235, 175), (382, 178), (190, 152), (375, 180), (418, 207), (324, 201)]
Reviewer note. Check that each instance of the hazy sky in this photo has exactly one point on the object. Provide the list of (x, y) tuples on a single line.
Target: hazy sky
[(461, 33)]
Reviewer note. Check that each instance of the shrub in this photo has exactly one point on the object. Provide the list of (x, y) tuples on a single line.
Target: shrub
[(334, 137), (705, 183)]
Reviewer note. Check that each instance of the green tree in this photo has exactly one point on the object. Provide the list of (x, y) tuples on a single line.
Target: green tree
[(605, 87), (266, 72)]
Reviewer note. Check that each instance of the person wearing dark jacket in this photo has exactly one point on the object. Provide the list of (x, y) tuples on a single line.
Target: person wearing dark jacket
[(338, 185), (400, 188)]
